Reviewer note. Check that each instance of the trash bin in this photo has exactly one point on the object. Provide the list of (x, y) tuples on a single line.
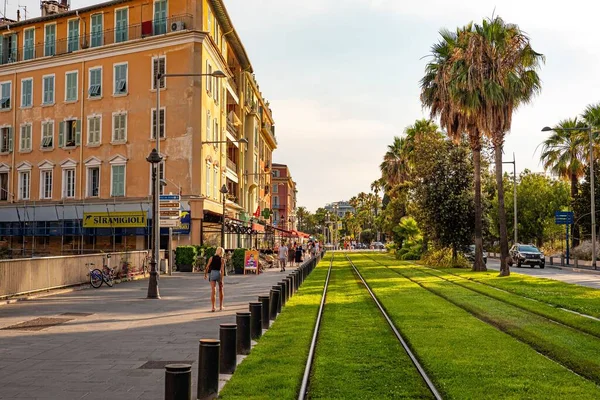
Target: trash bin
[(164, 265)]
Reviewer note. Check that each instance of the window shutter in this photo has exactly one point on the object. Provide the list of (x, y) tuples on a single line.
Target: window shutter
[(61, 134), (208, 124), (78, 132), (10, 139)]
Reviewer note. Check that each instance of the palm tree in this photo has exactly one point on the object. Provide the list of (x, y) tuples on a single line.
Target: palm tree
[(446, 91), (301, 213), (503, 69), (395, 166)]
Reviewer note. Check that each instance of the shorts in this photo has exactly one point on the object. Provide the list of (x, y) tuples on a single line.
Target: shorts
[(282, 260), (214, 276)]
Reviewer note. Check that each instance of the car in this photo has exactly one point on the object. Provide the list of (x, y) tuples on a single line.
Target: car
[(527, 254), (469, 253), (377, 245)]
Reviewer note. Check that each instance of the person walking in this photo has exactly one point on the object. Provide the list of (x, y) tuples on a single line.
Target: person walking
[(283, 254), (292, 254), (298, 254), (214, 272)]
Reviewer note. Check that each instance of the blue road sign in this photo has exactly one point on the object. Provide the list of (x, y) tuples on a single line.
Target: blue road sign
[(169, 197), (563, 217)]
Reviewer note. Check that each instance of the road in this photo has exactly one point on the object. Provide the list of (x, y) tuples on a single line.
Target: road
[(588, 279)]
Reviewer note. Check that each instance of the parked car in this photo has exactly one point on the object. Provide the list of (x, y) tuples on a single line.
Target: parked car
[(377, 245), (469, 253), (527, 254)]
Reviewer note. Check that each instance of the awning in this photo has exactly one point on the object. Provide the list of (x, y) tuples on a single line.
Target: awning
[(57, 212), (258, 227)]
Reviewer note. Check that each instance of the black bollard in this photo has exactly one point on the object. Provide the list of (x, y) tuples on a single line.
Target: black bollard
[(286, 289), (243, 332), (255, 320), (282, 294), (274, 302), (228, 336), (178, 382), (293, 278), (208, 369), (265, 311), (289, 287)]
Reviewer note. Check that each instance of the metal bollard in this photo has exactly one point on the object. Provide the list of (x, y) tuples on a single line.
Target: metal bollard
[(551, 260), (286, 289), (292, 283), (228, 337), (178, 382), (562, 260), (208, 369), (273, 300), (265, 311), (576, 261), (243, 335), (290, 291), (255, 320), (283, 291), (278, 304)]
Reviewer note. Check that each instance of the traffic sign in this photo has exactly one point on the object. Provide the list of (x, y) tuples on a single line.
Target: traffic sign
[(169, 197), (169, 223), (563, 217), (169, 213)]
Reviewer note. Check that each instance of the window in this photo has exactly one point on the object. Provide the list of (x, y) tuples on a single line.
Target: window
[(120, 74), (217, 133), (28, 44), (5, 89), (47, 134), (161, 175), (96, 31), (6, 139), (8, 45), (209, 78), (275, 188), (158, 67), (117, 187), (93, 180), (160, 17), (275, 201), (69, 133), (217, 87), (73, 35), (48, 96), (255, 164), (95, 89), (119, 127), (25, 140), (4, 186), (161, 128), (27, 92), (121, 29), (69, 183), (208, 127), (24, 182), (256, 135), (46, 184), (94, 129), (50, 40), (208, 174), (216, 183), (71, 86)]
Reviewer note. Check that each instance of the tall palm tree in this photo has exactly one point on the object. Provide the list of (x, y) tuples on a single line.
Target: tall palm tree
[(301, 213), (447, 92), (395, 165), (504, 70)]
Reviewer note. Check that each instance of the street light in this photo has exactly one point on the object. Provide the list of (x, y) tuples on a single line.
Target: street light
[(154, 159), (224, 192), (514, 163), (592, 186)]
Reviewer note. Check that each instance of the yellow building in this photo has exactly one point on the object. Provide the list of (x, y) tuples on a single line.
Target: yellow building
[(78, 119)]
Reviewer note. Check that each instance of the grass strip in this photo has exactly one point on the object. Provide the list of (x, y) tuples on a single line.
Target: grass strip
[(576, 350), (357, 355), (465, 357), (526, 303), (274, 367)]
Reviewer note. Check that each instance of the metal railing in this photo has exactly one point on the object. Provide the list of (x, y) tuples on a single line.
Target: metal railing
[(231, 165)]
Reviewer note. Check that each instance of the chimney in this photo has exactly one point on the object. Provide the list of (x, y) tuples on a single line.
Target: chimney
[(18, 15)]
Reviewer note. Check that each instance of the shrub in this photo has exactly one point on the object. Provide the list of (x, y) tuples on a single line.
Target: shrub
[(584, 250), (442, 258), (238, 260), (185, 255)]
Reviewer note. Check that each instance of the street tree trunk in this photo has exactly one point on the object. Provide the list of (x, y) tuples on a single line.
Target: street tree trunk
[(576, 233), (504, 268), (478, 264)]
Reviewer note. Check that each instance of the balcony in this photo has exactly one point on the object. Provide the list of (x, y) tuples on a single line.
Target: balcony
[(97, 39), (232, 165)]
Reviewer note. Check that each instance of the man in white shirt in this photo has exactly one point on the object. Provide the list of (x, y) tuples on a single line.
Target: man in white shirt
[(317, 248), (283, 254)]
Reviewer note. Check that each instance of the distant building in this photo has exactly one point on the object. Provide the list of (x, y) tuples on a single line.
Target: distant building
[(283, 198), (340, 207)]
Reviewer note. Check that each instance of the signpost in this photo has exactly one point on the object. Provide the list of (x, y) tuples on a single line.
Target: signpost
[(564, 218), (169, 211)]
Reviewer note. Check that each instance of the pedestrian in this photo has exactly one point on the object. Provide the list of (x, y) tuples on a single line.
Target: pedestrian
[(298, 254), (292, 254), (283, 254), (214, 272), (317, 248), (312, 249)]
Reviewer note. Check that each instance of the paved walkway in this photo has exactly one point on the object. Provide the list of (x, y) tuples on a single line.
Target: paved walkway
[(99, 356)]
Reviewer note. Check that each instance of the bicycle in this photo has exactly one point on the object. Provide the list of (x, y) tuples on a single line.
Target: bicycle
[(146, 263), (106, 275)]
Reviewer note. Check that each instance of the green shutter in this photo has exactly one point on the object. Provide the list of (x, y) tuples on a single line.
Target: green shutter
[(78, 132), (10, 139), (61, 134)]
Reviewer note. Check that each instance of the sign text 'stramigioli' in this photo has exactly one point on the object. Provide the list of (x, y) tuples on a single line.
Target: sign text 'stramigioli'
[(118, 219)]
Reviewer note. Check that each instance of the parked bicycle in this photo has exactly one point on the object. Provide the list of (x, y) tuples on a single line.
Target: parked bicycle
[(106, 275), (146, 263)]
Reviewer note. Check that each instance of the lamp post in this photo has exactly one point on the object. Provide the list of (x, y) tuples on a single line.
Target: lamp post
[(224, 192), (514, 163), (592, 186), (154, 159)]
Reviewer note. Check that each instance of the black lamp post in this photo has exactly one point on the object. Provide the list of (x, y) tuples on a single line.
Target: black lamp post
[(224, 192), (154, 158)]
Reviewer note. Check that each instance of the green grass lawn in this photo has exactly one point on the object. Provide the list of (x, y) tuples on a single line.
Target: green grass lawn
[(357, 355), (274, 368), (466, 357)]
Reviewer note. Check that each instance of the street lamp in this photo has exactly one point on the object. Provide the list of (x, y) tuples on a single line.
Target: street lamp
[(224, 192), (154, 159), (514, 163), (592, 186)]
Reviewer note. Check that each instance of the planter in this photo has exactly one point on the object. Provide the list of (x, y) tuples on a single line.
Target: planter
[(184, 267)]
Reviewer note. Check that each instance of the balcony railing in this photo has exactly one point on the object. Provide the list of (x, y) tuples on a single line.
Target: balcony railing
[(231, 165), (97, 39)]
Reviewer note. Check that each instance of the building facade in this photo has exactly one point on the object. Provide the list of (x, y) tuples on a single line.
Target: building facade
[(78, 118), (340, 208), (283, 198)]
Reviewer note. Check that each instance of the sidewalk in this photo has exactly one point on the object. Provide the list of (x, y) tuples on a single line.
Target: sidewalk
[(104, 338)]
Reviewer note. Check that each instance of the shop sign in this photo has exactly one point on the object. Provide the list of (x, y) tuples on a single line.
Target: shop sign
[(117, 219)]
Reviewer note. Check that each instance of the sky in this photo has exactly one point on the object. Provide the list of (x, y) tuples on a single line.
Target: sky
[(342, 76)]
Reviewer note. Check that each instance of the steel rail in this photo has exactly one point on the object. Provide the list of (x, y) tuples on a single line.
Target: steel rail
[(311, 353), (410, 354)]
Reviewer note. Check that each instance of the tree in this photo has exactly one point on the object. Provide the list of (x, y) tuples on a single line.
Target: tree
[(302, 213), (582, 202), (395, 165)]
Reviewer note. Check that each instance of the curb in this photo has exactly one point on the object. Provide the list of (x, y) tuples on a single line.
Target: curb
[(566, 268)]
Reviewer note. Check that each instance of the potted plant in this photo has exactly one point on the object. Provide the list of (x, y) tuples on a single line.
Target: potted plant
[(238, 260), (185, 257)]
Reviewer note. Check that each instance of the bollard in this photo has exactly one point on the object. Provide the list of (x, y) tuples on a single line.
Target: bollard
[(551, 260), (243, 335), (288, 281), (576, 261), (265, 311), (278, 304), (208, 369), (178, 382), (255, 320), (282, 295), (286, 290), (228, 337), (562, 260), (273, 300), (292, 283)]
